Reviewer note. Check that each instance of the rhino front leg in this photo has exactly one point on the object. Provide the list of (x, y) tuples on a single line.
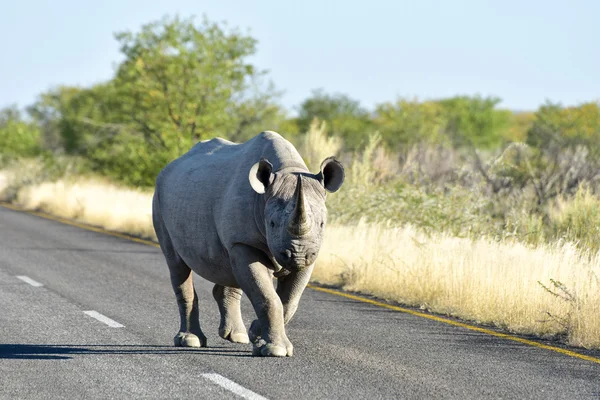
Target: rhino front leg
[(231, 327), (252, 274), (289, 290), (190, 334)]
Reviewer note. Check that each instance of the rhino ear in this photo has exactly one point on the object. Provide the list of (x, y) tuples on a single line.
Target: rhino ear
[(261, 176), (332, 174)]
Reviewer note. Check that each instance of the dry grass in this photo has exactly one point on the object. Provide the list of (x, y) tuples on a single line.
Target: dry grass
[(482, 280), (4, 178), (95, 202), (317, 146)]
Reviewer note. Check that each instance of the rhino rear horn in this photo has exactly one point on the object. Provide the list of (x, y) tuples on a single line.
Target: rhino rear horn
[(299, 224)]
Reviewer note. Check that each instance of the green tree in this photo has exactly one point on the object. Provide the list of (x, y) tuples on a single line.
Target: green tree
[(59, 115), (408, 122), (345, 117), (520, 124), (459, 121), (475, 121), (566, 127), (179, 82), (562, 152), (182, 82), (18, 138)]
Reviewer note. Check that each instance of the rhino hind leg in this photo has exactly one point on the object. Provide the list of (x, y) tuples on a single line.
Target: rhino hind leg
[(188, 339), (232, 326), (190, 334)]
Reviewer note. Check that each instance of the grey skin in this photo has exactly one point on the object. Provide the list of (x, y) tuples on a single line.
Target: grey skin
[(239, 215)]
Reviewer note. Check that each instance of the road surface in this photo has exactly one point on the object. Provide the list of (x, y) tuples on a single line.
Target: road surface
[(89, 315)]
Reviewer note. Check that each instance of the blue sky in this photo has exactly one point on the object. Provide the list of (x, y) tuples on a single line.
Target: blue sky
[(524, 52)]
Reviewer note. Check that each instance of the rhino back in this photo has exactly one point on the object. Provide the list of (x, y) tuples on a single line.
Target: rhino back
[(206, 202)]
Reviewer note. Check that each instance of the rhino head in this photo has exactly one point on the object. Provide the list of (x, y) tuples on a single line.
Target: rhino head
[(295, 214)]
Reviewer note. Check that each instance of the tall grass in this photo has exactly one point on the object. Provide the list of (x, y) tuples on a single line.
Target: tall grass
[(577, 219), (93, 201), (59, 187), (315, 145), (487, 281)]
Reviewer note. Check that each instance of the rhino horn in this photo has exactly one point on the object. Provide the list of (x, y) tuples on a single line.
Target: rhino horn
[(299, 224)]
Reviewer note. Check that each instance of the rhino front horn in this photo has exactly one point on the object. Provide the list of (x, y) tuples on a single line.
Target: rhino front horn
[(299, 224)]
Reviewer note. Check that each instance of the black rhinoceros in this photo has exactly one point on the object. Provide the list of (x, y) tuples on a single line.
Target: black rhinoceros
[(239, 215)]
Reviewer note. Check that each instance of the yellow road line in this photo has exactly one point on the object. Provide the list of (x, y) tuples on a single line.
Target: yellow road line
[(337, 292)]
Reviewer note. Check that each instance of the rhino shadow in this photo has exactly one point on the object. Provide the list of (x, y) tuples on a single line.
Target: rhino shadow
[(68, 351)]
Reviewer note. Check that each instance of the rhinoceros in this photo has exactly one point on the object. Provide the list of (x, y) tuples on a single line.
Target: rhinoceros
[(240, 215)]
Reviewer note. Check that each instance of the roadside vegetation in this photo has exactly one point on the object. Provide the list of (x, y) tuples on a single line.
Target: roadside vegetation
[(453, 205)]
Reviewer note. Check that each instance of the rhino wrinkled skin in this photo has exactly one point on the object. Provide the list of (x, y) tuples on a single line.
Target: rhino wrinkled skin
[(239, 215)]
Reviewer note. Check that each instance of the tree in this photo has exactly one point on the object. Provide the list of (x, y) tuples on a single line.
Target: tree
[(459, 121), (18, 138), (55, 112), (179, 82), (561, 153), (345, 117), (475, 121), (520, 124), (566, 127), (409, 122)]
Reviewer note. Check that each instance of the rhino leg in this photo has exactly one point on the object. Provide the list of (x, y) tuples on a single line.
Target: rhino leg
[(289, 290), (190, 334), (231, 327), (251, 272)]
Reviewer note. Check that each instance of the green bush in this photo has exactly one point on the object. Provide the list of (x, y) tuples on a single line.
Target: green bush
[(17, 137)]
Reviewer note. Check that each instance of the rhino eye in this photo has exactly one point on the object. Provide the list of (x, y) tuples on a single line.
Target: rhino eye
[(272, 224), (322, 224)]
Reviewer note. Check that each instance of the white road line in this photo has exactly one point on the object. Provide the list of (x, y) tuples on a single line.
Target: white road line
[(233, 387), (27, 279), (102, 318)]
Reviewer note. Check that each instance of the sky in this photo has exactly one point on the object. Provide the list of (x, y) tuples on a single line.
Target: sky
[(524, 52)]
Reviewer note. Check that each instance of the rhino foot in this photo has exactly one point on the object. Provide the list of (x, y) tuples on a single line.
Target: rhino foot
[(261, 348), (188, 339), (234, 337)]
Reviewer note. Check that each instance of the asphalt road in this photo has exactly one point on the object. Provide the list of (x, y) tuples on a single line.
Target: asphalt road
[(344, 349)]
